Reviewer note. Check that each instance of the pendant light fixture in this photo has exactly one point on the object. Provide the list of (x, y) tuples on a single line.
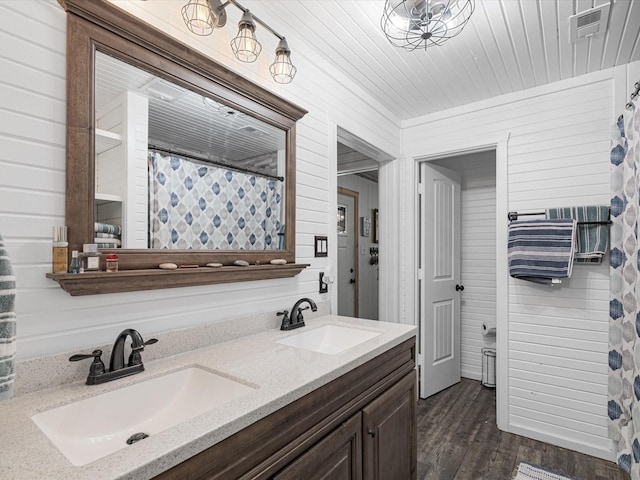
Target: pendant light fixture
[(203, 16), (282, 70), (413, 24), (245, 45)]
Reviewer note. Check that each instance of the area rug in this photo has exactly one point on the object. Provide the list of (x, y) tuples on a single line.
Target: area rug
[(531, 472)]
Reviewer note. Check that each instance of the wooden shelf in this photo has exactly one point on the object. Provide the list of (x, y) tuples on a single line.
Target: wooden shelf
[(94, 283)]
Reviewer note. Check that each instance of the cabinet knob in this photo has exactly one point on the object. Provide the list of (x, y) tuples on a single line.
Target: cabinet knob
[(371, 432)]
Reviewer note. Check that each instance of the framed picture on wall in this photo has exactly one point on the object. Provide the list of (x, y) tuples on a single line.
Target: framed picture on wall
[(376, 226)]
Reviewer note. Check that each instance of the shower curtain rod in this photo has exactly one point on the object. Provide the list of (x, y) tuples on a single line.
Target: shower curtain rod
[(213, 162), (633, 95), (514, 216)]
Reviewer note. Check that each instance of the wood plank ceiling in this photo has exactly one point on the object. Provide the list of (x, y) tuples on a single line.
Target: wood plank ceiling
[(508, 46)]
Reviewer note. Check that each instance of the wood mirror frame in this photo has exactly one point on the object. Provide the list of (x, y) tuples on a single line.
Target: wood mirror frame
[(99, 25)]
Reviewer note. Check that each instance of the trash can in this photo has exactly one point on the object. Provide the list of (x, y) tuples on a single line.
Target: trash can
[(489, 367)]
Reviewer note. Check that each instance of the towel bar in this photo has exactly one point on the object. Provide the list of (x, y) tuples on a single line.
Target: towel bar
[(512, 216)]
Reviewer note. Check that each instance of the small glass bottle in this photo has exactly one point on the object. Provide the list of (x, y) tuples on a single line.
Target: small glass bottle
[(112, 262), (74, 266)]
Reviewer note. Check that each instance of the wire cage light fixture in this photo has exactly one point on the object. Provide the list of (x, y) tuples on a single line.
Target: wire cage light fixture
[(282, 70), (245, 45), (418, 24), (202, 17)]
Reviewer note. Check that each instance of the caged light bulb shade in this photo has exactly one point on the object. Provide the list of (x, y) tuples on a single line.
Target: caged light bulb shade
[(245, 45), (282, 70), (199, 17), (413, 24)]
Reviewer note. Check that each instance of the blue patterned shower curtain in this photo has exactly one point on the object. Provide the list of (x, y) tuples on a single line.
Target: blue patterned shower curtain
[(192, 205), (624, 311)]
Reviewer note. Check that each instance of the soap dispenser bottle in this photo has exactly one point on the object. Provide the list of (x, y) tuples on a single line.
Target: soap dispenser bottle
[(74, 266)]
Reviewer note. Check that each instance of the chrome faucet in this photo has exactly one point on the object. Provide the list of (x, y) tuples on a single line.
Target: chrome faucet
[(296, 320), (117, 368)]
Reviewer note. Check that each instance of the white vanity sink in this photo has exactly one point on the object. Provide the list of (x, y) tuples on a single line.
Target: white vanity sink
[(329, 339), (90, 429)]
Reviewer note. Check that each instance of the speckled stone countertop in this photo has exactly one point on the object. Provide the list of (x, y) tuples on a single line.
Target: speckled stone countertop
[(281, 374)]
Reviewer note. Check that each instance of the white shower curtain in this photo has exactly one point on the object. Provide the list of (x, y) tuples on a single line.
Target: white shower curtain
[(624, 311)]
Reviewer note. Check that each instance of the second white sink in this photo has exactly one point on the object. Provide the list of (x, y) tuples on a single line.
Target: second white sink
[(90, 429), (329, 339)]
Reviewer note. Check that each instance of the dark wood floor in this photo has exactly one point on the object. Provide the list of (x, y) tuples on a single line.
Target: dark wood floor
[(458, 440)]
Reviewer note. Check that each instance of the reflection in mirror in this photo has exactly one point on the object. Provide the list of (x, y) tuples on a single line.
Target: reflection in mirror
[(176, 170)]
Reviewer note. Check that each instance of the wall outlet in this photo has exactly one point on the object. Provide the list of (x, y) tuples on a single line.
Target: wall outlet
[(324, 288)]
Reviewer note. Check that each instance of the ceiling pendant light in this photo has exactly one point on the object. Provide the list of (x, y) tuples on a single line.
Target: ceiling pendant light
[(245, 45), (203, 16), (413, 24), (282, 70)]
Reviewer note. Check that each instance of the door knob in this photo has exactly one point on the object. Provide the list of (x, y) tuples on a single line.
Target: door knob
[(371, 432), (459, 288), (352, 280)]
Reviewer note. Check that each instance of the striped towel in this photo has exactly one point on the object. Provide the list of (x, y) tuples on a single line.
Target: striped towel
[(106, 235), (592, 239), (107, 228), (541, 250), (114, 242), (7, 324)]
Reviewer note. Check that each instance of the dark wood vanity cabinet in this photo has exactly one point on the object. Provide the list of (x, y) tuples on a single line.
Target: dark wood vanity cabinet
[(389, 450), (337, 456), (361, 425), (376, 443)]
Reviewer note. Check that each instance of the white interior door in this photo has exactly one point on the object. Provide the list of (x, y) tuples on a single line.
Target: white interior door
[(439, 279), (347, 245)]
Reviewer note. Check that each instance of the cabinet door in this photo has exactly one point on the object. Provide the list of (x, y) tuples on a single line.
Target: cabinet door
[(336, 457), (389, 432)]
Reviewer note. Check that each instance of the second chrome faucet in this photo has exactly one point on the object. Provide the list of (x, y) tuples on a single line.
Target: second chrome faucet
[(117, 368)]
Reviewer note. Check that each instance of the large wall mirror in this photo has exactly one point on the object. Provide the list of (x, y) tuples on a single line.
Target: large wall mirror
[(175, 169), (171, 158)]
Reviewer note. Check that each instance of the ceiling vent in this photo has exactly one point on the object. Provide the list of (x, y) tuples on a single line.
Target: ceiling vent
[(589, 23), (253, 131)]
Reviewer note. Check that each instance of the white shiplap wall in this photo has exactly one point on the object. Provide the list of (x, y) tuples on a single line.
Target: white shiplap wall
[(478, 255), (554, 387), (32, 180), (367, 274)]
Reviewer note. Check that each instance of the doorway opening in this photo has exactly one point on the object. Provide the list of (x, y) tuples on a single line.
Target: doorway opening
[(358, 237), (348, 261), (457, 278)]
